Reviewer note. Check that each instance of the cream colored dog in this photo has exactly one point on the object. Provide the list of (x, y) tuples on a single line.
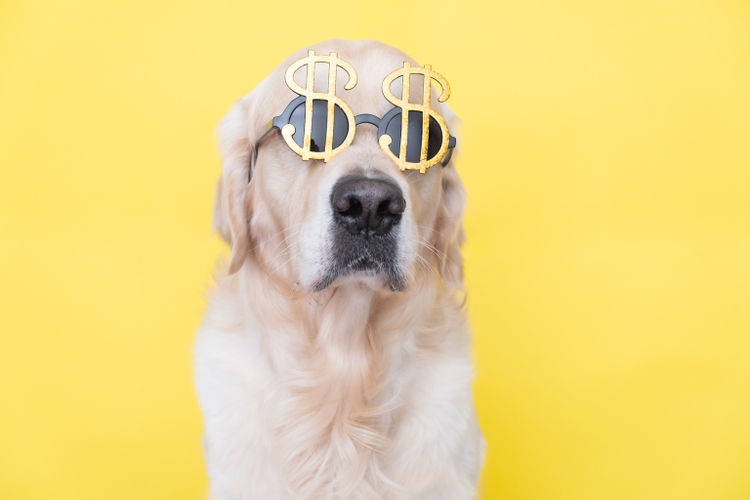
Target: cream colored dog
[(334, 364)]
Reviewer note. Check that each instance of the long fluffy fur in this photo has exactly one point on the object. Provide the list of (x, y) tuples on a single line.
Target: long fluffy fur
[(355, 392)]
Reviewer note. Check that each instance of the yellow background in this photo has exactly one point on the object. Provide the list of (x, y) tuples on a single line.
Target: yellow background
[(606, 150)]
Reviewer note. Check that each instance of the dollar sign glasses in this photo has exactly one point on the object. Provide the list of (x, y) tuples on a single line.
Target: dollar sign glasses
[(317, 125)]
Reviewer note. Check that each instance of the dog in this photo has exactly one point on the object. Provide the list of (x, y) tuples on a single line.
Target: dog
[(334, 360)]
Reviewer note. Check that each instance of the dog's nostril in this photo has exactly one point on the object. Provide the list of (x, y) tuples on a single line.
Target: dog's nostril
[(384, 208), (354, 208), (395, 205), (347, 205)]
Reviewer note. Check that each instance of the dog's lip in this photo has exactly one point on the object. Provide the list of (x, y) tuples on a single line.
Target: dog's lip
[(365, 267), (364, 264)]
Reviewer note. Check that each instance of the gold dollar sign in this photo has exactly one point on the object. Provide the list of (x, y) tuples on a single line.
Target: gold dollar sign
[(427, 112), (288, 130)]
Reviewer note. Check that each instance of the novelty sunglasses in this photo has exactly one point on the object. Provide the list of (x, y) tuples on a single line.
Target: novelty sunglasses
[(318, 125)]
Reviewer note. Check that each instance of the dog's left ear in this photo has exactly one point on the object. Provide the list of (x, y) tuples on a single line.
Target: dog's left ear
[(231, 207), (449, 228)]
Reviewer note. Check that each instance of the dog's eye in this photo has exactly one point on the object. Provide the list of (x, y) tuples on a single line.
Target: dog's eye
[(436, 139), (319, 124), (414, 136)]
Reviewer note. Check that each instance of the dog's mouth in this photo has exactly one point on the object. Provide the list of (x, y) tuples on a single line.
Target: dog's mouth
[(364, 264), (367, 266)]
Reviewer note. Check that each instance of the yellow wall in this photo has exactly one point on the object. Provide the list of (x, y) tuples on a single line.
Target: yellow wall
[(606, 149)]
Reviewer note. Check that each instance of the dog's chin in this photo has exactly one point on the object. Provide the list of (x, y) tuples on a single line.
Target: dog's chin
[(362, 272)]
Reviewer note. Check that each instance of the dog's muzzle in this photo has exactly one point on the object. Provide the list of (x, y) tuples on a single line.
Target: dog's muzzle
[(366, 215)]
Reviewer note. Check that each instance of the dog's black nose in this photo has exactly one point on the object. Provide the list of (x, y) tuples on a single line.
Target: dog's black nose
[(367, 206)]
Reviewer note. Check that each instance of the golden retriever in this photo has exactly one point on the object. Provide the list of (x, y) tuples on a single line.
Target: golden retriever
[(334, 359)]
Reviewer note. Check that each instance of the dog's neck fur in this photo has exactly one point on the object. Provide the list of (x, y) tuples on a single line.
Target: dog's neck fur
[(336, 412)]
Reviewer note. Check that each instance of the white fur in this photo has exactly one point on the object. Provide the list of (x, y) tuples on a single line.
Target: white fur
[(354, 392)]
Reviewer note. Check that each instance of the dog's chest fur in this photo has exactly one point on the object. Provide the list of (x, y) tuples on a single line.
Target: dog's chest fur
[(352, 397)]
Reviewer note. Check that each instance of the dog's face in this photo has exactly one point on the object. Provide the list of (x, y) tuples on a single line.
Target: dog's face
[(354, 219)]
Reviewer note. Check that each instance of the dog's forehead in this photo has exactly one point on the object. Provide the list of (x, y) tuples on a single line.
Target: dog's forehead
[(371, 60)]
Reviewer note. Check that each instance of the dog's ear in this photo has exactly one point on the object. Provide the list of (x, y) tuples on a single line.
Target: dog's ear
[(231, 207), (449, 228)]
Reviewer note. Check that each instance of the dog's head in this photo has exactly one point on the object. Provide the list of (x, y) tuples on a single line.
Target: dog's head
[(353, 219)]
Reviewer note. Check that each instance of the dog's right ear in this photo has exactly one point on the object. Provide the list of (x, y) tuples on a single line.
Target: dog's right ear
[(231, 207)]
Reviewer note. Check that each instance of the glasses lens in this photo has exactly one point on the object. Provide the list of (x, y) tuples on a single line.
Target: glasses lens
[(319, 124), (414, 136)]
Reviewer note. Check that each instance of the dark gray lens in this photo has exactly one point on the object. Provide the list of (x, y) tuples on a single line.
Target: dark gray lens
[(414, 136), (319, 124)]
